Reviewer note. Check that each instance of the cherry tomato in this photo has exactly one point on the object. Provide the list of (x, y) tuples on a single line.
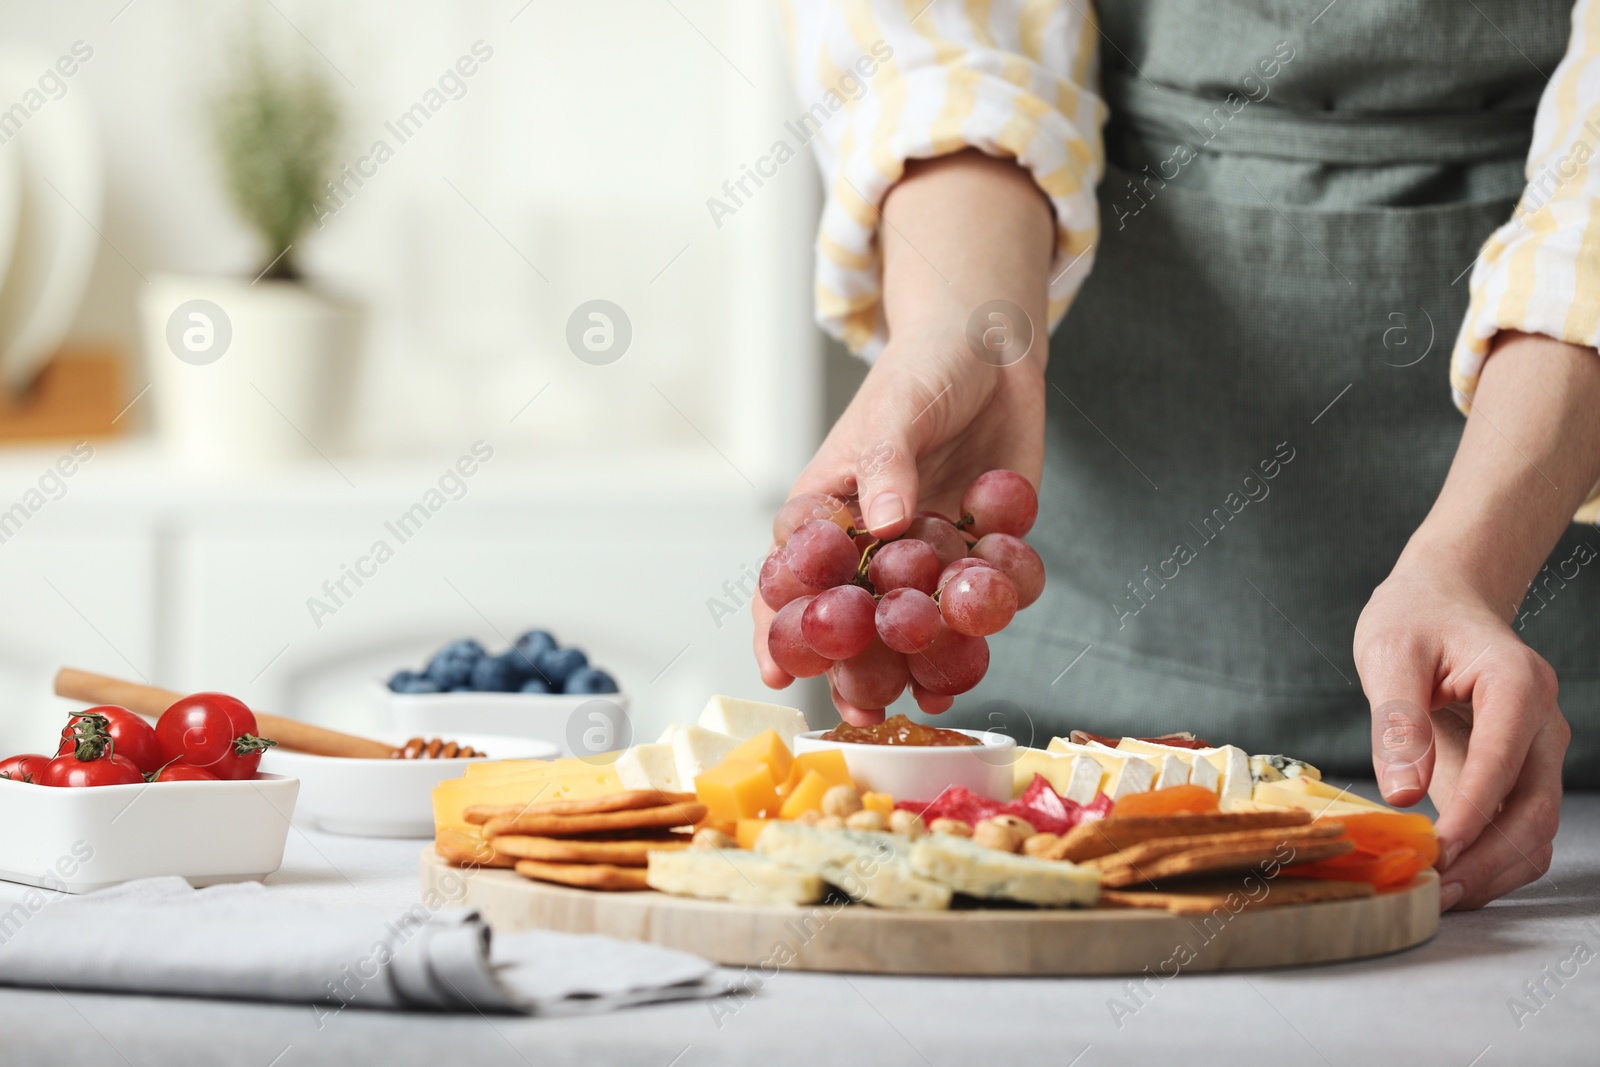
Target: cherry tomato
[(24, 768), (131, 736), (214, 731), (183, 772), (71, 772)]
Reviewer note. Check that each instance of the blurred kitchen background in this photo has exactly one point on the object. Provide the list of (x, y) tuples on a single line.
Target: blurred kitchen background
[(196, 449)]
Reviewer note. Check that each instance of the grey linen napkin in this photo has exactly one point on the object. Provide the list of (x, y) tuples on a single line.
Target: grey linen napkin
[(161, 935)]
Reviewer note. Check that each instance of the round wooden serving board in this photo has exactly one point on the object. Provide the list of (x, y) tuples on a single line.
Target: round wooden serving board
[(975, 941)]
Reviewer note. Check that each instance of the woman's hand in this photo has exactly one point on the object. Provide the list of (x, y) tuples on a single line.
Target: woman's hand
[(933, 413), (1461, 708), (1464, 711)]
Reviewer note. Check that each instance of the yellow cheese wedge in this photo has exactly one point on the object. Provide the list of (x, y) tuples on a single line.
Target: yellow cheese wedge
[(828, 762), (1278, 795), (807, 796), (1075, 777), (452, 797), (1315, 787), (882, 803), (768, 748)]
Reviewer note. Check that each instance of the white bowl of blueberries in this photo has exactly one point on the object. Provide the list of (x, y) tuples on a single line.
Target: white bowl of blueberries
[(535, 688)]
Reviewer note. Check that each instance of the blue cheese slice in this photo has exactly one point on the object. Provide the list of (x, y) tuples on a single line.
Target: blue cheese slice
[(1277, 768), (867, 865), (731, 874), (994, 875)]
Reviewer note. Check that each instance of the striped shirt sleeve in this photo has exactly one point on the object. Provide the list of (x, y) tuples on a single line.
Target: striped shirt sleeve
[(1540, 272), (885, 81)]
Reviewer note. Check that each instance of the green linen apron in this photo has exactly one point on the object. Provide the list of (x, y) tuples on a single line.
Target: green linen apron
[(1249, 410)]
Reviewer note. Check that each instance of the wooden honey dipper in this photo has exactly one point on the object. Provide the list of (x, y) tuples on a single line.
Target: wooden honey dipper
[(292, 734)]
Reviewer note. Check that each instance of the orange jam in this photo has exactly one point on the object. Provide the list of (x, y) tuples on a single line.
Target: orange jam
[(898, 730)]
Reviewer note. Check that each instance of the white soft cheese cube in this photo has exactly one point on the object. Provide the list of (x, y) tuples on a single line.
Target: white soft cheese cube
[(745, 719), (696, 750), (650, 767)]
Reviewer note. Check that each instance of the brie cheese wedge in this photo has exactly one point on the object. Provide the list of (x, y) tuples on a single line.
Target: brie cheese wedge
[(1201, 771), (1124, 773)]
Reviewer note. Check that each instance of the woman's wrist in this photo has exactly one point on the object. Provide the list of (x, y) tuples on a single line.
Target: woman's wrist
[(960, 232)]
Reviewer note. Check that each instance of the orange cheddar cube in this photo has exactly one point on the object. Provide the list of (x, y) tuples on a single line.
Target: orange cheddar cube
[(807, 796), (765, 748), (882, 803), (747, 830), (829, 763), (735, 790)]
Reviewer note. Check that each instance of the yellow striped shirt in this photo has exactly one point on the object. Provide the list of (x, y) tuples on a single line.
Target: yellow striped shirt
[(891, 80)]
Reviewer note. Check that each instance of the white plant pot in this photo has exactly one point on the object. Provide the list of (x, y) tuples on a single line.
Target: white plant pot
[(248, 374)]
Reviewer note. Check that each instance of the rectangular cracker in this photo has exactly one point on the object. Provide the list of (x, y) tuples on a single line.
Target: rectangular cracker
[(1206, 896), (621, 853), (555, 825), (1149, 851), (468, 850), (603, 876), (1089, 840), (1218, 859), (626, 800)]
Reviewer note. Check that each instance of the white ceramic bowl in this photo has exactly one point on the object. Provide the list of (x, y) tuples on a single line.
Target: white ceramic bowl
[(922, 772), (385, 797), (80, 840), (552, 717)]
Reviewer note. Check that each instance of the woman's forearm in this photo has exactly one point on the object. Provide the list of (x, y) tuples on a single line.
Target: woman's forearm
[(959, 231), (1530, 455)]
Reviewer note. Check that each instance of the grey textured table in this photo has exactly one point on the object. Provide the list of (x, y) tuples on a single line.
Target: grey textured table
[(1447, 1002)]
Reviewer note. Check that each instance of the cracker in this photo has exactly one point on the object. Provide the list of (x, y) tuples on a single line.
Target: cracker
[(468, 850), (1206, 896), (622, 853), (604, 876), (1088, 840), (555, 825), (1219, 859), (1149, 851), (625, 800)]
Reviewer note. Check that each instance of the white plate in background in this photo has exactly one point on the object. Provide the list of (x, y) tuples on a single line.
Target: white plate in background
[(386, 797), (558, 718), (58, 159)]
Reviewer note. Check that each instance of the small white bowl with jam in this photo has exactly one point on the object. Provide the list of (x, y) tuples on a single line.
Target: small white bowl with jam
[(913, 761)]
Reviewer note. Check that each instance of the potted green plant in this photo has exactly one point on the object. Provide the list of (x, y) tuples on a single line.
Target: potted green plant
[(258, 368)]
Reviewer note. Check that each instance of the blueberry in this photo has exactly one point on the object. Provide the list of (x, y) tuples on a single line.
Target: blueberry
[(451, 666), (399, 680), (589, 680), (558, 663), (415, 684), (535, 643), (535, 685), (497, 674)]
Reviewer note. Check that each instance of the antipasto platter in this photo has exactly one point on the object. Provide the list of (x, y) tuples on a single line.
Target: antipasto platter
[(901, 848)]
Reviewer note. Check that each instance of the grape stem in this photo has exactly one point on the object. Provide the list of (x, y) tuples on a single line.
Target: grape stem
[(866, 562)]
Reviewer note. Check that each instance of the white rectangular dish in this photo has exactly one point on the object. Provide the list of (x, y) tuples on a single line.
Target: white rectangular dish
[(80, 840), (552, 717)]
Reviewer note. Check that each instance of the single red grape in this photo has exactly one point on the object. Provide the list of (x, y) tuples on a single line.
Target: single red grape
[(1016, 561), (978, 601), (822, 555), (953, 664), (960, 565), (797, 511), (778, 584), (838, 623), (947, 541), (787, 645), (905, 564), (999, 502), (873, 678), (908, 620), (930, 702)]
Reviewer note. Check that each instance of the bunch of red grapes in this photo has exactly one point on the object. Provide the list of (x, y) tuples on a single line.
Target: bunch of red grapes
[(876, 615)]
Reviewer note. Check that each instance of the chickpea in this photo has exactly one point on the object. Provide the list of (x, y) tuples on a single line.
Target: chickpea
[(711, 837), (1041, 845), (908, 823), (830, 822), (866, 820), (842, 801), (953, 827), (992, 833), (1022, 828)]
